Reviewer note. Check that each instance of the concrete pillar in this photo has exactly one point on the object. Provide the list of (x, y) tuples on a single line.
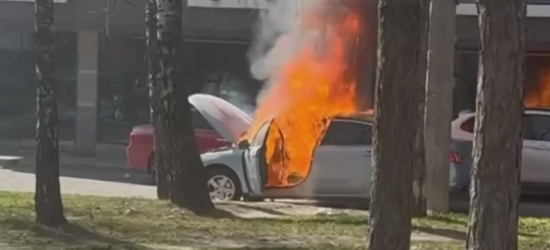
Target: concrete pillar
[(86, 92)]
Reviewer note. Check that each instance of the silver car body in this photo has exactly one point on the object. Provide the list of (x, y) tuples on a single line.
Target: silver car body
[(328, 177)]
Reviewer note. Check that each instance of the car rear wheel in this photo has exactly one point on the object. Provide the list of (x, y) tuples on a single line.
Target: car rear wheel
[(223, 185)]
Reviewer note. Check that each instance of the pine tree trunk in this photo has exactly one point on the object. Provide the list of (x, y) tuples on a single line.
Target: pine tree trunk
[(497, 140), (151, 24), (419, 208), (176, 138), (399, 36), (48, 204)]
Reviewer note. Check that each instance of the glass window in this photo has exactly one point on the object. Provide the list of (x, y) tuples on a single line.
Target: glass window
[(536, 127), (348, 133)]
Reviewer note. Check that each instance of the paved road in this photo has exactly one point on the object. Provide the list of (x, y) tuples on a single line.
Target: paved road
[(83, 179), (107, 155)]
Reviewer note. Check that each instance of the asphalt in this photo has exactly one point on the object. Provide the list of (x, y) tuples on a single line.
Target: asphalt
[(105, 174), (106, 156), (83, 179)]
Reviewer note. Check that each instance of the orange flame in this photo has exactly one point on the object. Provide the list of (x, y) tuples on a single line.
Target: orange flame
[(537, 92), (317, 83)]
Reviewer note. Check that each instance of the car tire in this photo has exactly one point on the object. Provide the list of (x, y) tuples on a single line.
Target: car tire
[(218, 174)]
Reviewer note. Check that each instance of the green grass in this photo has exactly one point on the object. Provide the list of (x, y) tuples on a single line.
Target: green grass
[(131, 223)]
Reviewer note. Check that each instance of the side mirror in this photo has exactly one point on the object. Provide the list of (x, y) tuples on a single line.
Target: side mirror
[(244, 144)]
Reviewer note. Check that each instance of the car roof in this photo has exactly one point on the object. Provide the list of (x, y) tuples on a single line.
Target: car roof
[(360, 117), (541, 109), (545, 109)]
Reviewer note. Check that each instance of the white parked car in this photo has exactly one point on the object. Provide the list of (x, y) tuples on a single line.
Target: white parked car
[(535, 162)]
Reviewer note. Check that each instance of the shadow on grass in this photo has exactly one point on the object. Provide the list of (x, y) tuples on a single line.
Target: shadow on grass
[(449, 220), (261, 209), (455, 234), (68, 236), (337, 203), (447, 233), (216, 213), (281, 217), (327, 247), (320, 221), (224, 214)]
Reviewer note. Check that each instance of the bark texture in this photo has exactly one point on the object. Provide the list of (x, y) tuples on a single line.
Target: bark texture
[(151, 27), (399, 34), (48, 204), (419, 189), (498, 141), (176, 138)]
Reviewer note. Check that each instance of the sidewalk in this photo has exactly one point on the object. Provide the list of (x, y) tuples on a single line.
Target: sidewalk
[(107, 155)]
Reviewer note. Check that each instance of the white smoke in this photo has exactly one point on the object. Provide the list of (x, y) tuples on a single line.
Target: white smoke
[(278, 36)]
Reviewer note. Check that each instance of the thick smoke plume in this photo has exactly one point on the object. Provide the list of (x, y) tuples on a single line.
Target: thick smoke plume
[(278, 36), (304, 52), (284, 29)]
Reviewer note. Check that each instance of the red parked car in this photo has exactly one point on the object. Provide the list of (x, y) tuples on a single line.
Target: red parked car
[(139, 152)]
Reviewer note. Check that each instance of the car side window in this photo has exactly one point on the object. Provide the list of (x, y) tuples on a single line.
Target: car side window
[(536, 127), (348, 133), (199, 122)]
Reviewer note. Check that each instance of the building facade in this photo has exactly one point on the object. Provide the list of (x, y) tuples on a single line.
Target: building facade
[(101, 67)]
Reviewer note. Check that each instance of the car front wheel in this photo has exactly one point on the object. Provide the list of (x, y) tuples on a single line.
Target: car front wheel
[(223, 185)]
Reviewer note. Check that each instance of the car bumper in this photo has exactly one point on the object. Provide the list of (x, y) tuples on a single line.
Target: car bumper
[(137, 156)]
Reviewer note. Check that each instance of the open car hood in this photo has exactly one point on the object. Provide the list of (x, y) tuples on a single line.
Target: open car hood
[(228, 120)]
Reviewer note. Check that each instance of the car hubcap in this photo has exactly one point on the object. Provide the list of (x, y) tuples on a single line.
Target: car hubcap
[(221, 188)]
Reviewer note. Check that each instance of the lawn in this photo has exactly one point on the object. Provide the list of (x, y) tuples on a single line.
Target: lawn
[(122, 223)]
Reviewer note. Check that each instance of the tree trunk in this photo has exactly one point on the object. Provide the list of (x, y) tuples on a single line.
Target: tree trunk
[(399, 36), (151, 24), (419, 189), (497, 137), (439, 103), (176, 138), (48, 204)]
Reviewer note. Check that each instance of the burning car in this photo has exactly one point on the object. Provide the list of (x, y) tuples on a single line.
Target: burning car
[(306, 139), (338, 165), (263, 166)]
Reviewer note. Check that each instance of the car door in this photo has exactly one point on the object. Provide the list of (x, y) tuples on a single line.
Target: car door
[(252, 162), (344, 158), (536, 148)]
